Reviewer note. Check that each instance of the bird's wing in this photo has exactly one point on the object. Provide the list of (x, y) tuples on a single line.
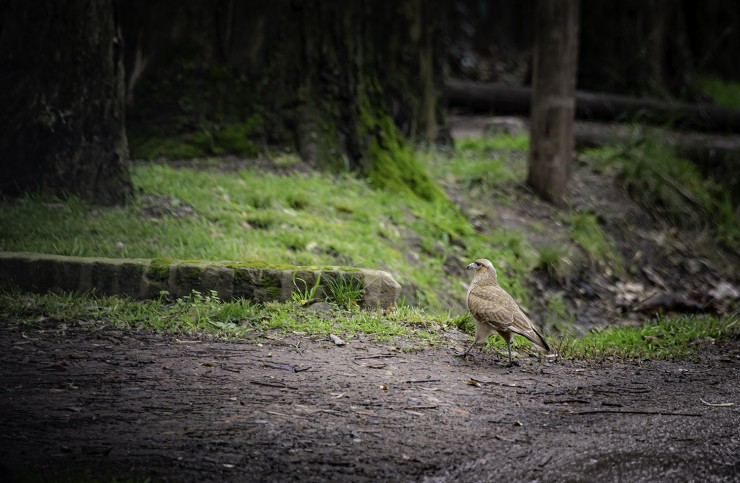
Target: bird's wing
[(490, 304), (523, 326)]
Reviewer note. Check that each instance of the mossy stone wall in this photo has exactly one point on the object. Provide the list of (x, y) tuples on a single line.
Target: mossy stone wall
[(143, 278)]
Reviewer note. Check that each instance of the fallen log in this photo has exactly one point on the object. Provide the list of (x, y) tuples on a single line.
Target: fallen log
[(501, 100), (708, 150)]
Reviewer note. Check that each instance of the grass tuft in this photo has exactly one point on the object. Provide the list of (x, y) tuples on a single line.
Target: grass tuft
[(674, 337), (200, 314), (672, 188), (588, 234), (554, 260), (725, 94)]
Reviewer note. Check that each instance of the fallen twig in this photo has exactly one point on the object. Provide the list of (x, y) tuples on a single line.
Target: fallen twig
[(271, 384), (420, 381), (718, 405)]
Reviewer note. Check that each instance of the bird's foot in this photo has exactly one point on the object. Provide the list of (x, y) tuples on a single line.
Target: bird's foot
[(463, 355), (513, 364)]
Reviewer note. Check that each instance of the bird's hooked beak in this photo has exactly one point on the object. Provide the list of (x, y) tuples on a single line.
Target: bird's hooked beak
[(473, 266)]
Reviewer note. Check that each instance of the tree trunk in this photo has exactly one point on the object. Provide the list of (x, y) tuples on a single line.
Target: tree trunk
[(553, 98), (61, 95), (336, 81)]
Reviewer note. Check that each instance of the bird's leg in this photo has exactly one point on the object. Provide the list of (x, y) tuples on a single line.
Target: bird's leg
[(511, 362), (465, 354)]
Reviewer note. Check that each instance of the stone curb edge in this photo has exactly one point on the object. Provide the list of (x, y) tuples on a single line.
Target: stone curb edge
[(141, 278)]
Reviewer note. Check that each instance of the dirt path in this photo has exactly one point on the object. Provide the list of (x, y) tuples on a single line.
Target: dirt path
[(122, 403)]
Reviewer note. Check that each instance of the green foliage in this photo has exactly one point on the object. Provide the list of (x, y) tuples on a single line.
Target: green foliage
[(254, 217), (345, 291), (486, 164), (668, 337), (554, 260), (206, 313), (558, 314), (305, 295), (485, 145), (664, 338), (393, 165), (672, 188), (588, 234), (725, 94), (210, 140)]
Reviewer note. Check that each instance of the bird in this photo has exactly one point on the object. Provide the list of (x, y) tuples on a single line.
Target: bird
[(494, 310)]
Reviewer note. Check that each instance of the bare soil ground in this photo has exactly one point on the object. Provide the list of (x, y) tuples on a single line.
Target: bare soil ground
[(82, 397)]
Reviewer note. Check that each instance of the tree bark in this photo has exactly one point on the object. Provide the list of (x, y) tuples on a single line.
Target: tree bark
[(553, 98), (61, 94), (322, 77)]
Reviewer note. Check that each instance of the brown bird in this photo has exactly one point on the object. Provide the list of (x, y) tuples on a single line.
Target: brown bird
[(495, 310)]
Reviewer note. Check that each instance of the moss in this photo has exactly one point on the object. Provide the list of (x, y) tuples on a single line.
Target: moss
[(238, 138), (191, 273), (262, 265), (159, 269), (169, 148), (210, 140), (392, 163)]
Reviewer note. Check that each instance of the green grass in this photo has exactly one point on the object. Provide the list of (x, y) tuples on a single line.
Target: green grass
[(204, 314), (207, 314), (298, 219), (209, 139), (501, 143), (670, 187), (485, 164), (588, 234), (555, 260), (665, 338)]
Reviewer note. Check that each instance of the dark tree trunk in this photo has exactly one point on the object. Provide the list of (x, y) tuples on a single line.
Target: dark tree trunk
[(61, 95), (337, 81), (553, 98)]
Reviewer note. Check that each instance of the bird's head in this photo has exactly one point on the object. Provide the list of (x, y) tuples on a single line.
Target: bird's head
[(482, 266)]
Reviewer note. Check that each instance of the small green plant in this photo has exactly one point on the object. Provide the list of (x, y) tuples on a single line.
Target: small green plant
[(672, 188), (554, 260), (306, 295), (586, 233), (558, 314), (345, 291), (725, 94)]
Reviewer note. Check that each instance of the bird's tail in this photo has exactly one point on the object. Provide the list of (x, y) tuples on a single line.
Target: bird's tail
[(536, 338)]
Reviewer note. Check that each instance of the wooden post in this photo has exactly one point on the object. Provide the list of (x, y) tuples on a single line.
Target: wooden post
[(553, 98)]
